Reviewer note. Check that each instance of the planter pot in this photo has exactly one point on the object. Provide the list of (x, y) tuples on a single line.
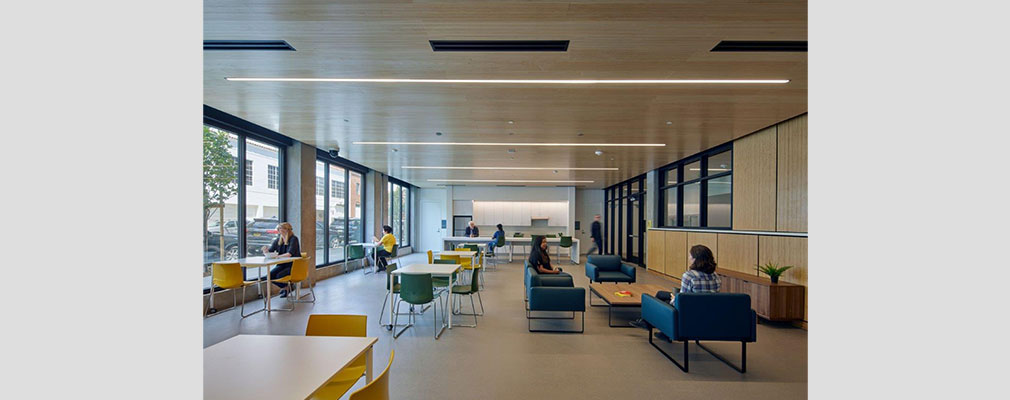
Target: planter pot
[(775, 279)]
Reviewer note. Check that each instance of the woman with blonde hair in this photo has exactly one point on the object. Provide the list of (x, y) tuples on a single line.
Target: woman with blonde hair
[(285, 245)]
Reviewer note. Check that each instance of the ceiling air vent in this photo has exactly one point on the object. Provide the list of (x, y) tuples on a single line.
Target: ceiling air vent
[(499, 45), (247, 45), (761, 45)]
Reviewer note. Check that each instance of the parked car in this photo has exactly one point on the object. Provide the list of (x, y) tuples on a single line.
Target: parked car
[(212, 247), (260, 232)]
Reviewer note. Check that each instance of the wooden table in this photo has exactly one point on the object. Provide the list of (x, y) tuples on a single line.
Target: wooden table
[(445, 270), (272, 367), (254, 262), (606, 291)]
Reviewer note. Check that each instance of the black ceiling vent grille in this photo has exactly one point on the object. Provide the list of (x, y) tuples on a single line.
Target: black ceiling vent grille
[(499, 45), (247, 45), (762, 45)]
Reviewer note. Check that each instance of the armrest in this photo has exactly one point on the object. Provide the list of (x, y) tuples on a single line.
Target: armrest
[(660, 314), (559, 280), (628, 270), (592, 271), (557, 299)]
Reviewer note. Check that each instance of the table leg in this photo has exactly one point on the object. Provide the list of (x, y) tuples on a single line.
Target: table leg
[(575, 252), (267, 289), (450, 296), (368, 365), (511, 250), (389, 294)]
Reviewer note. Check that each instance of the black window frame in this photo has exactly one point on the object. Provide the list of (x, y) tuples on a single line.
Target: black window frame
[(348, 167), (703, 180), (618, 211), (404, 229), (273, 176)]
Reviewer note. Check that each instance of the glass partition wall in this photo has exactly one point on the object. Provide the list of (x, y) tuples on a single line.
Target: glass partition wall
[(697, 192), (624, 223)]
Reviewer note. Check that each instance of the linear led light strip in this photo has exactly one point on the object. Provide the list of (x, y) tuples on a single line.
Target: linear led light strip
[(503, 181), (516, 168), (518, 144), (522, 81)]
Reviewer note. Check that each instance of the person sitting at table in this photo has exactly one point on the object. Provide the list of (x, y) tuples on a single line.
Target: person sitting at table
[(540, 258), (387, 242), (494, 239), (285, 245), (471, 230), (699, 278)]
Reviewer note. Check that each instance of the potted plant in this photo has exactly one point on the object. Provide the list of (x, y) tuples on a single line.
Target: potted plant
[(773, 270)]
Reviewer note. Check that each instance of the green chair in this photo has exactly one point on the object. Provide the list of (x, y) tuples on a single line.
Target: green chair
[(416, 289), (390, 280), (442, 282), (470, 290), (354, 252), (566, 242)]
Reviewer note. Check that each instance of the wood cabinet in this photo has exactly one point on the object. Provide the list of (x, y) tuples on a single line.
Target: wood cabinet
[(772, 301)]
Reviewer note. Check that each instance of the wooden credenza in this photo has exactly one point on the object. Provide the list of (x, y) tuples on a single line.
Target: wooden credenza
[(773, 301)]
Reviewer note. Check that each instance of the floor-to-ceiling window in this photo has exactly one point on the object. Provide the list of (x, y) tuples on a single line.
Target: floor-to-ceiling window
[(697, 192), (399, 210), (338, 209), (624, 224), (239, 219)]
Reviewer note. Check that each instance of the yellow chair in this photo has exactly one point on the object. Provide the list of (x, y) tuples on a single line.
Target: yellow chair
[(229, 276), (378, 388), (299, 272), (465, 261), (309, 280), (339, 325), (431, 258)]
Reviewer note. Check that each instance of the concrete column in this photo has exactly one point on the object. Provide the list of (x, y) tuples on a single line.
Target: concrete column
[(300, 196)]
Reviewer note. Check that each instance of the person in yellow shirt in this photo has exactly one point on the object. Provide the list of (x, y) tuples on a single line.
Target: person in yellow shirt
[(387, 242)]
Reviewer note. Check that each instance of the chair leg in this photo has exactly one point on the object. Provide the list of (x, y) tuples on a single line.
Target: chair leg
[(686, 356), (396, 316), (481, 303), (743, 354)]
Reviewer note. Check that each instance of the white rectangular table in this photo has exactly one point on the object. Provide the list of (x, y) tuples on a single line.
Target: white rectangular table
[(248, 367), (256, 262), (512, 242), (443, 270)]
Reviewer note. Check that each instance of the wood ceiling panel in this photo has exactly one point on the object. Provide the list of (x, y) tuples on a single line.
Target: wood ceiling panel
[(609, 40)]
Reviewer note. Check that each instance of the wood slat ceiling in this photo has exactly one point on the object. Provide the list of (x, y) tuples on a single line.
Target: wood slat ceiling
[(609, 40)]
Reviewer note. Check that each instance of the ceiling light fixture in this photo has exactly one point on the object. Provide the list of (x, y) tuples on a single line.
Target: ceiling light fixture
[(520, 81), (438, 133), (598, 152), (669, 122), (517, 168), (503, 181), (511, 122), (518, 144)]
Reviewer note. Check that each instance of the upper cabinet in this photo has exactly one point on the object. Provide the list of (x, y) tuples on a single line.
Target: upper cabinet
[(519, 213)]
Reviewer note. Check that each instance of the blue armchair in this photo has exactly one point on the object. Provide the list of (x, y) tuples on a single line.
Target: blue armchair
[(553, 293), (608, 268), (703, 316)]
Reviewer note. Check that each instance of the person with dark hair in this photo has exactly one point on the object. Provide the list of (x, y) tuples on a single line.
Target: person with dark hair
[(540, 258), (494, 239), (699, 278), (387, 242), (597, 236)]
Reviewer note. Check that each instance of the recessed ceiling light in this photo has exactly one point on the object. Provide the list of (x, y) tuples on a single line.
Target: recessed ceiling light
[(518, 144), (504, 181), (511, 133), (395, 150), (511, 151), (517, 168), (438, 133), (511, 122), (669, 122), (520, 81), (580, 134), (598, 152), (346, 120), (611, 158), (555, 171)]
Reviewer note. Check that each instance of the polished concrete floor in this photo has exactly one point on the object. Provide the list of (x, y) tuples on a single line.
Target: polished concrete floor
[(500, 359)]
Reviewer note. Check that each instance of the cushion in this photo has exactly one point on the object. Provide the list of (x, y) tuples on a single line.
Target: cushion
[(613, 276)]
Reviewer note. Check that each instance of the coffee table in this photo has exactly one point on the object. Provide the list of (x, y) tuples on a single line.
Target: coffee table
[(606, 291)]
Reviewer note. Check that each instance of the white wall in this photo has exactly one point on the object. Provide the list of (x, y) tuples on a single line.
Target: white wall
[(588, 203), (491, 193), (431, 211)]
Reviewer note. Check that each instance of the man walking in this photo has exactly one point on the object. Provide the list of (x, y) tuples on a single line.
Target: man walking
[(597, 236)]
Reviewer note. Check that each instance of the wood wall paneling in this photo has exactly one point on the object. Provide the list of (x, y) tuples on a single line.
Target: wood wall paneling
[(675, 253), (738, 253), (792, 175), (655, 255), (754, 181), (786, 251)]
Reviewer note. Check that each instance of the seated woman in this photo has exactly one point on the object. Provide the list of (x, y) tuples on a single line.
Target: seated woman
[(387, 242), (540, 258), (285, 245), (699, 278), (494, 239)]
